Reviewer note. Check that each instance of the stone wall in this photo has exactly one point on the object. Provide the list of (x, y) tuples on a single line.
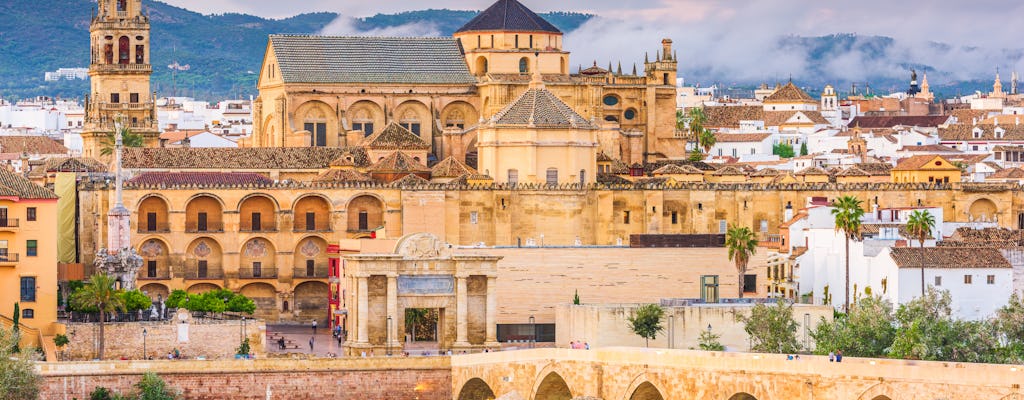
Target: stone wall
[(363, 379), (607, 325), (212, 339)]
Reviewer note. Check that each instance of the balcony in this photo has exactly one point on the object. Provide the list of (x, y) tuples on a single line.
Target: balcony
[(318, 228), (8, 259), (210, 227), (9, 224), (248, 228), (158, 228), (194, 273), (257, 273), (318, 272), (125, 106), (158, 274), (108, 68)]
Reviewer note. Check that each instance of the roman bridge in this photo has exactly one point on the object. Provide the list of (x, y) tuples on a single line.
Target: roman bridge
[(659, 374)]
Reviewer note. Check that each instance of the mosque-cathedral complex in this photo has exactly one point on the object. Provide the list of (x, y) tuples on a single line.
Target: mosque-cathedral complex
[(483, 138)]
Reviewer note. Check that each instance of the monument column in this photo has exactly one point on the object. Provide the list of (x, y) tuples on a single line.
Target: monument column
[(392, 306), (461, 305), (363, 309), (492, 312)]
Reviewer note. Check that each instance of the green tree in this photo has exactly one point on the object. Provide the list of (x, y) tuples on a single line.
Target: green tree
[(176, 298), (415, 317), (741, 244), (102, 393), (783, 150), (243, 348), (803, 149), (866, 331), (151, 387), (135, 300), (128, 138), (771, 328), (708, 341), (922, 325), (646, 322), (696, 119), (847, 211), (99, 293), (920, 225), (241, 304), (18, 378), (576, 297)]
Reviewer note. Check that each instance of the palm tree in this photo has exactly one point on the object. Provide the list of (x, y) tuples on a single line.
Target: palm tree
[(705, 138), (129, 138), (919, 226), (99, 294), (741, 244), (847, 212)]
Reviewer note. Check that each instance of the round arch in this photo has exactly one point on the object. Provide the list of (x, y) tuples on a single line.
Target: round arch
[(203, 287), (268, 132), (481, 66), (155, 291), (310, 258), (880, 391), (459, 114), (153, 211), (415, 116), (257, 259), (313, 117), (366, 116), (153, 195), (742, 396), (644, 388), (204, 212), (258, 213), (204, 259), (476, 389), (265, 297), (312, 213), (277, 204), (155, 254), (365, 213), (552, 387), (311, 301), (983, 209)]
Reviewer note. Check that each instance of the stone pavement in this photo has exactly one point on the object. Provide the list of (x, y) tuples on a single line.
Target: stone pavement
[(324, 343)]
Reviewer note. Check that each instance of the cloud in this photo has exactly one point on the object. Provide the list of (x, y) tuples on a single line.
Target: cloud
[(346, 26)]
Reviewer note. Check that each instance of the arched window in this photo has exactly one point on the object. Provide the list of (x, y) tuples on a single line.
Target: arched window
[(140, 54), (552, 176), (410, 121), (524, 65), (123, 50), (610, 100), (361, 121), (611, 118), (122, 5), (108, 53), (481, 65)]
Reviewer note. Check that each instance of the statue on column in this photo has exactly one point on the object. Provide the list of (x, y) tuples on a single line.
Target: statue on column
[(119, 259)]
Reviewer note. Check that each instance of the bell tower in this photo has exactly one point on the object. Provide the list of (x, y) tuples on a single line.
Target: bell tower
[(119, 71)]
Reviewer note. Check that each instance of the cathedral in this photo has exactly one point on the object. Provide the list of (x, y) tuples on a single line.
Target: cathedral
[(325, 91)]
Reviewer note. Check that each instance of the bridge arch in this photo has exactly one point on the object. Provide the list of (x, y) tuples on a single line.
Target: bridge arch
[(476, 389), (551, 387), (644, 388), (742, 396), (880, 391)]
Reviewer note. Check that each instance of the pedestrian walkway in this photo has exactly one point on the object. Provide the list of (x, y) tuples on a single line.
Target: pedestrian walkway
[(297, 339)]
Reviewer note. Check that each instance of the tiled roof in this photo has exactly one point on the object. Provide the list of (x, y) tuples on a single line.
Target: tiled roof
[(385, 60), (789, 94), (508, 15), (594, 70), (778, 118), (198, 179), (730, 116), (619, 167), (741, 137), (989, 236), (14, 185), (451, 168), (31, 145), (395, 137), (767, 172), (342, 175), (875, 169), (601, 157), (410, 180), (1008, 173), (246, 158), (177, 136), (812, 171), (655, 165), (673, 169), (967, 115), (69, 164), (988, 132), (611, 179), (728, 171), (932, 148), (853, 171), (949, 257), (540, 108), (898, 120), (917, 162), (398, 162)]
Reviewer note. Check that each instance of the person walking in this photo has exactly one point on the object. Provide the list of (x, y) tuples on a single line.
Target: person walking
[(831, 356), (314, 327), (839, 356), (311, 343)]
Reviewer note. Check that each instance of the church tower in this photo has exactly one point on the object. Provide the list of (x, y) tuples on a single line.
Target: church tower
[(997, 88), (926, 91), (664, 68), (830, 106), (119, 72)]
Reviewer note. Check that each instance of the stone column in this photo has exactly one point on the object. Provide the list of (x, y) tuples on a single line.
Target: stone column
[(363, 310), (392, 306), (492, 312), (461, 305)]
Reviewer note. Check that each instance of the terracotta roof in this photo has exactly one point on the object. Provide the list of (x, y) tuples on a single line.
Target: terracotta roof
[(70, 164), (779, 118), (989, 236), (14, 185), (594, 70), (789, 94), (812, 171), (384, 60), (875, 169), (410, 180), (767, 172), (728, 171), (198, 179), (177, 136), (1008, 173), (967, 115), (730, 116), (398, 162), (395, 137), (451, 168), (917, 162), (31, 145), (619, 167), (612, 179), (872, 122), (741, 137), (342, 175), (1008, 148), (966, 132), (655, 165), (673, 169), (853, 171), (540, 108), (508, 16), (601, 157), (933, 148), (949, 257), (245, 158)]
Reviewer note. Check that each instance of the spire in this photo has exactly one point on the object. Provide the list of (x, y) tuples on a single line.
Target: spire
[(647, 59), (610, 66), (634, 69), (618, 71)]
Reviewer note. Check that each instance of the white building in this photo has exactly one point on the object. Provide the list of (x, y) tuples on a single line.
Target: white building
[(69, 74)]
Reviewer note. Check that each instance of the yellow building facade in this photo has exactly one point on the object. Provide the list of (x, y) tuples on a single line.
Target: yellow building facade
[(119, 72), (926, 169), (28, 255)]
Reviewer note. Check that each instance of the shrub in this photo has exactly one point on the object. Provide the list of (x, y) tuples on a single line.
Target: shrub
[(135, 300), (176, 298)]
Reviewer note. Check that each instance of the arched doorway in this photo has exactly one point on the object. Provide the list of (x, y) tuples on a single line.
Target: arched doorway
[(553, 387), (365, 213), (742, 396), (265, 297), (476, 389), (257, 213), (311, 302), (646, 391), (153, 212), (204, 213), (312, 214)]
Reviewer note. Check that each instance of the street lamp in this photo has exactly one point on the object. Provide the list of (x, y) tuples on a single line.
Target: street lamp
[(387, 342), (144, 343), (533, 328)]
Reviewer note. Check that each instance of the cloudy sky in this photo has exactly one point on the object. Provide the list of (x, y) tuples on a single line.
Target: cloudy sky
[(738, 38)]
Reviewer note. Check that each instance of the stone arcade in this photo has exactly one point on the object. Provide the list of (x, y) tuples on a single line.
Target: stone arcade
[(422, 273)]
